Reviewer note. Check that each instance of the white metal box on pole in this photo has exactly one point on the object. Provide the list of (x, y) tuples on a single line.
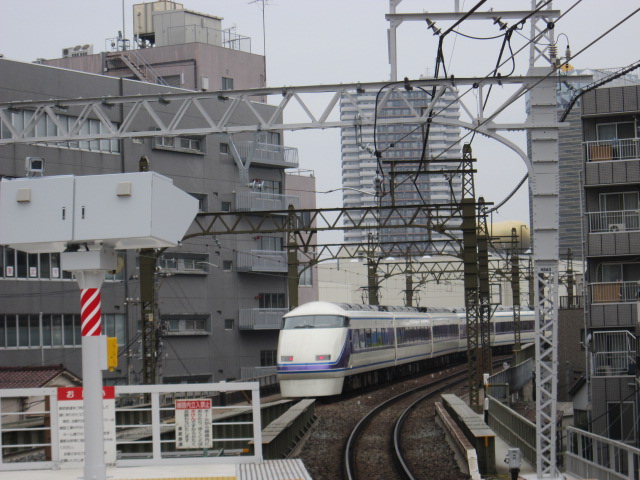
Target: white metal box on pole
[(122, 211)]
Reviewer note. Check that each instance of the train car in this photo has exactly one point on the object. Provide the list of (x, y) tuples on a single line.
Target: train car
[(325, 348)]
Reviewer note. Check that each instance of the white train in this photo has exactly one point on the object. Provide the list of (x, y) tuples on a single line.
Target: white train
[(324, 347)]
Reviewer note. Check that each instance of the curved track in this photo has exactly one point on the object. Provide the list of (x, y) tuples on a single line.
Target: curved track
[(374, 431)]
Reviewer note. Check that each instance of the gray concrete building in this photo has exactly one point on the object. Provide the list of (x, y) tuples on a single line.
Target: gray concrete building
[(219, 299), (609, 120)]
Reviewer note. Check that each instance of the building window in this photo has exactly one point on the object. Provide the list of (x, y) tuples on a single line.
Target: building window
[(268, 358), (305, 276), (271, 138), (184, 263), (186, 324), (224, 148), (225, 206), (621, 419), (45, 127), (115, 325), (271, 300), (272, 186), (273, 244), (227, 265), (181, 144), (228, 323), (227, 83), (202, 201)]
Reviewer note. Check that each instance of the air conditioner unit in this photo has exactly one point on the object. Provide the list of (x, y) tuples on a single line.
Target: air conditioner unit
[(78, 51), (616, 227)]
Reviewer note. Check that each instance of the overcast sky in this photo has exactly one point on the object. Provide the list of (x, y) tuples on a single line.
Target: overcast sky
[(332, 41)]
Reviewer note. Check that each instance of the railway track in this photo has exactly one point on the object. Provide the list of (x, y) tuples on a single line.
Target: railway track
[(380, 430)]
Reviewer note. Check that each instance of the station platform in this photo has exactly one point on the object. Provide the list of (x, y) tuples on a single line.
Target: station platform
[(289, 469)]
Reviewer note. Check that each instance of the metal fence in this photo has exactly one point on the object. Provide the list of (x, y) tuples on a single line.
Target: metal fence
[(516, 430), (593, 456), (261, 318), (510, 380), (614, 221), (260, 201), (269, 153), (262, 261), (616, 149), (39, 429), (614, 292), (613, 353)]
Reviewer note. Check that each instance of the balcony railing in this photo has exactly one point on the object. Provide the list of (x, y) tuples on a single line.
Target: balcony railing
[(603, 150), (261, 261), (614, 292), (259, 201), (613, 353), (268, 154), (615, 221), (261, 318)]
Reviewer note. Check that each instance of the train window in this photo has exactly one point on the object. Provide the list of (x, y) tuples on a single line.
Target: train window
[(315, 321), (400, 332)]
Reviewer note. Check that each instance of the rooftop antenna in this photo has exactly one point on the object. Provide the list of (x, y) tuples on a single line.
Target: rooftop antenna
[(262, 4), (124, 31)]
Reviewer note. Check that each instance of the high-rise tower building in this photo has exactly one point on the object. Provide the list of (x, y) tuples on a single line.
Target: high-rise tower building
[(401, 146)]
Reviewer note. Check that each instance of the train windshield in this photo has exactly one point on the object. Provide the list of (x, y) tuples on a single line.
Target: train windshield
[(315, 321)]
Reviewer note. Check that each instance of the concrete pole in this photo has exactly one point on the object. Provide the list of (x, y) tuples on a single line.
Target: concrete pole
[(92, 363)]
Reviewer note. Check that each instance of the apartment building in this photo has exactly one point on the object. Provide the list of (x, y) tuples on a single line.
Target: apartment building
[(609, 406)]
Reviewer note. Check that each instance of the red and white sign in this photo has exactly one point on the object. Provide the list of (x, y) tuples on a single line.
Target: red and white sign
[(193, 423), (71, 426)]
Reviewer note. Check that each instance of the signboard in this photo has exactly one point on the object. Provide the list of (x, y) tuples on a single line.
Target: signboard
[(193, 423), (71, 426)]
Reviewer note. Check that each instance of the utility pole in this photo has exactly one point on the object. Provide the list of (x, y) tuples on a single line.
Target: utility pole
[(147, 259), (484, 288), (515, 290)]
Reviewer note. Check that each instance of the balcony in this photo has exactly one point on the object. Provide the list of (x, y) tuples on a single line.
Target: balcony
[(262, 261), (604, 150), (613, 353), (261, 318), (611, 162), (614, 221), (259, 201), (614, 292), (267, 154)]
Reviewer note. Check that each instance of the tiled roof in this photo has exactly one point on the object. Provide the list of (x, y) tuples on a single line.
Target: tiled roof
[(31, 377)]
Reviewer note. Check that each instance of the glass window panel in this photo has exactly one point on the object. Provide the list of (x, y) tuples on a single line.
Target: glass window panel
[(45, 266), (121, 329), (631, 272), (12, 333), (626, 130), (23, 330), (611, 272), (55, 265), (46, 330), (606, 131), (34, 330), (2, 264), (67, 322), (33, 265), (3, 342), (56, 330), (76, 329), (21, 264), (84, 130)]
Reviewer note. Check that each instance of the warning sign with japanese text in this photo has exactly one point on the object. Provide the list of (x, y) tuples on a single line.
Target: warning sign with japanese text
[(193, 423)]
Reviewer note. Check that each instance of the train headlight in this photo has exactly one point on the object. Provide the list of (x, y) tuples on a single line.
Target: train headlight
[(286, 358), (323, 358)]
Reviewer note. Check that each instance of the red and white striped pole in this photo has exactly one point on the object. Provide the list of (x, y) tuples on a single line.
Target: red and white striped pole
[(90, 312)]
